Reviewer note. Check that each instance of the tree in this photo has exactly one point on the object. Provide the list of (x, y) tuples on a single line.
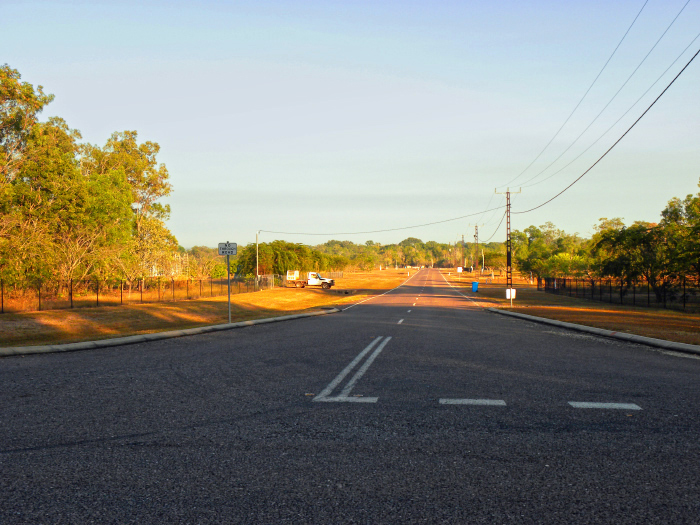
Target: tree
[(153, 244), (19, 106), (681, 225)]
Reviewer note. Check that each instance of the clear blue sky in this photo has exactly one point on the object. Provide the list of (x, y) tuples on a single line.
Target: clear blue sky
[(354, 116)]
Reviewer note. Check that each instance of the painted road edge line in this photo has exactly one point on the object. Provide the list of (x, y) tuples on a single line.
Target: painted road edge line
[(617, 406), (483, 402), (632, 338), (145, 338)]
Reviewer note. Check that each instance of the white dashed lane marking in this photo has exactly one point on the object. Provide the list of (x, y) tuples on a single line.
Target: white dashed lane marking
[(400, 321), (617, 406), (483, 402)]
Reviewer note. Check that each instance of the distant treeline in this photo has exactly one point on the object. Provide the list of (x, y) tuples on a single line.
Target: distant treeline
[(279, 256)]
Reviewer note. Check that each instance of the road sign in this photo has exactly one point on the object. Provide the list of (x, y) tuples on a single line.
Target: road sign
[(228, 248)]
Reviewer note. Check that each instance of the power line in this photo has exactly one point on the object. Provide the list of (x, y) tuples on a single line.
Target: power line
[(612, 99), (584, 95), (497, 227), (617, 141), (385, 230), (618, 120)]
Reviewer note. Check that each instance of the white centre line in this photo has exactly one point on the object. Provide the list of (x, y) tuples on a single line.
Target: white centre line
[(400, 321), (487, 402), (618, 406), (409, 311), (414, 304)]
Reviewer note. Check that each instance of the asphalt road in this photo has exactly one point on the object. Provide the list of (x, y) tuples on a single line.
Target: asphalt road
[(416, 406)]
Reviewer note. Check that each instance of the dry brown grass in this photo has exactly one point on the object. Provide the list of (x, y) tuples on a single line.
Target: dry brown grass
[(661, 324), (83, 324)]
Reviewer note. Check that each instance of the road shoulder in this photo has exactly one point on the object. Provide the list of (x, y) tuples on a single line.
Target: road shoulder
[(632, 338)]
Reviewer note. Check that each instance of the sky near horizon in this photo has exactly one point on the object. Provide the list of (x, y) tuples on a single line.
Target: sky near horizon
[(338, 117)]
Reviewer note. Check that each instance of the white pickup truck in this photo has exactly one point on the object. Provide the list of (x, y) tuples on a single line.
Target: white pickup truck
[(308, 279)]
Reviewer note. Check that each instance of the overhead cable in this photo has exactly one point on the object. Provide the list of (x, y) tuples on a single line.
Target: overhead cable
[(497, 227), (611, 100), (583, 97), (617, 121), (388, 229), (617, 141)]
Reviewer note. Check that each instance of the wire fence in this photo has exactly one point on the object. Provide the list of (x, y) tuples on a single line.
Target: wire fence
[(680, 294), (25, 296)]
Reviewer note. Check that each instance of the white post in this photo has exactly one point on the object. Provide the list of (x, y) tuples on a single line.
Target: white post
[(257, 272)]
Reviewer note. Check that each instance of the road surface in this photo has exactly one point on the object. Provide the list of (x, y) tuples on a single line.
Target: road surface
[(415, 406)]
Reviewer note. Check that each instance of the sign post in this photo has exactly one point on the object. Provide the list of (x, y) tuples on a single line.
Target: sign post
[(228, 249)]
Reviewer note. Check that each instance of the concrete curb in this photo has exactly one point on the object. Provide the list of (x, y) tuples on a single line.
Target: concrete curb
[(132, 339), (649, 341)]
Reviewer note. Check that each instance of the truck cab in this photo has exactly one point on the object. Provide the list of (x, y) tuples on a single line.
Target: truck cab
[(309, 279), (316, 279)]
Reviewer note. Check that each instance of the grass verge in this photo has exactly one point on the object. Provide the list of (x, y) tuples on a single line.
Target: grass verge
[(661, 324), (86, 324)]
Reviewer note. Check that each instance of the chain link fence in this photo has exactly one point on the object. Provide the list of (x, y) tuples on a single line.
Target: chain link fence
[(679, 294)]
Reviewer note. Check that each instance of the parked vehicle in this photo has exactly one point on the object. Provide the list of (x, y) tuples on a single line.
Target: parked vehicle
[(308, 279)]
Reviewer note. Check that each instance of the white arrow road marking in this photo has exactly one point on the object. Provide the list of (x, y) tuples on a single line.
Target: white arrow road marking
[(345, 393)]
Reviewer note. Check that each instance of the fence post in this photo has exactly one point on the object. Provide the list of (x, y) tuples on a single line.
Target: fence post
[(141, 290), (684, 292), (200, 288), (70, 293), (187, 288), (621, 282), (648, 294), (2, 296), (121, 292), (173, 281), (664, 285), (211, 288), (97, 292), (40, 295), (634, 293)]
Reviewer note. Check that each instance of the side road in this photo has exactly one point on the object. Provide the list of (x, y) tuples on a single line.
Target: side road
[(143, 338), (650, 341)]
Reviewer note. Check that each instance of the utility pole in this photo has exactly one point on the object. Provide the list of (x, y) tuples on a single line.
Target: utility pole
[(464, 261), (476, 242), (509, 268), (257, 272)]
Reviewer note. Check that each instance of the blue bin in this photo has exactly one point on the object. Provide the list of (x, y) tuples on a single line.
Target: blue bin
[(475, 286)]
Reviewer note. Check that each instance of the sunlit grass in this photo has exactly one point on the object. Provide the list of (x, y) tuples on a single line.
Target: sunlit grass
[(81, 324)]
